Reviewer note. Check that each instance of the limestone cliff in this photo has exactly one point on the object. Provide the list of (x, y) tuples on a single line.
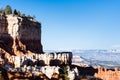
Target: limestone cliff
[(20, 35)]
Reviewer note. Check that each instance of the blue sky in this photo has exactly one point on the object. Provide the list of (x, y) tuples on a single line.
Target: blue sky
[(74, 24)]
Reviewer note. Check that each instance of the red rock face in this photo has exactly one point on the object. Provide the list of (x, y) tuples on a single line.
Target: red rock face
[(20, 35)]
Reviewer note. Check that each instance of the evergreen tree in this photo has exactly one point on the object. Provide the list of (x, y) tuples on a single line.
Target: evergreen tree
[(23, 15), (15, 12), (19, 13), (63, 72), (2, 11), (8, 10)]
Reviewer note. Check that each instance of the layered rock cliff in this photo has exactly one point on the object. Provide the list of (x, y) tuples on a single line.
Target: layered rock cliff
[(20, 35)]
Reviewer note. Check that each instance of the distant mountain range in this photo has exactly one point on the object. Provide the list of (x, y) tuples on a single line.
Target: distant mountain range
[(105, 58)]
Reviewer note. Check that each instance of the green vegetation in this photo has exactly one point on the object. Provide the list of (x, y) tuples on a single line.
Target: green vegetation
[(19, 13), (15, 12), (64, 72), (2, 11), (8, 11)]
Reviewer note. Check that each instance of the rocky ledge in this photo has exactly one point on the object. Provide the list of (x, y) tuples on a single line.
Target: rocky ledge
[(19, 35)]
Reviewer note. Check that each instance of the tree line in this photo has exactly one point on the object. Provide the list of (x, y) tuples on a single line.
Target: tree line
[(8, 10)]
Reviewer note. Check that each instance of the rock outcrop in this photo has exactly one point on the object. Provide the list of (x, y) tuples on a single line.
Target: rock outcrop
[(106, 74), (46, 59), (20, 35)]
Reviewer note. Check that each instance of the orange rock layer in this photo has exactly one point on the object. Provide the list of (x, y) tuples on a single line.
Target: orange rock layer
[(108, 74)]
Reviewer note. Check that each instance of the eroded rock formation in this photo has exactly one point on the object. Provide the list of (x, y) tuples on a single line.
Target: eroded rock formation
[(20, 35), (105, 74), (46, 59)]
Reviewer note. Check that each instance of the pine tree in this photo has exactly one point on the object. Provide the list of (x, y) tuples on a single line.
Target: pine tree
[(23, 15), (8, 10), (2, 11), (19, 13), (63, 72), (15, 12)]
